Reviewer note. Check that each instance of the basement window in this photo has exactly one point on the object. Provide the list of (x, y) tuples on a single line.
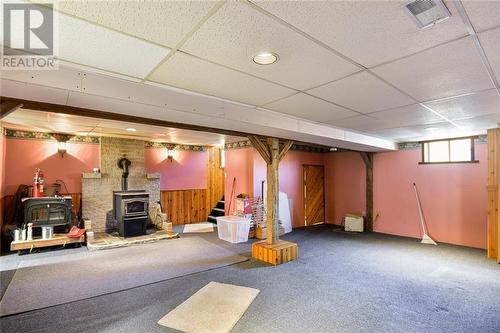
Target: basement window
[(460, 150)]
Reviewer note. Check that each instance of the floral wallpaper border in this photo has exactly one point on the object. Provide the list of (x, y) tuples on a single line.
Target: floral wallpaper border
[(173, 146), (31, 135), (295, 147)]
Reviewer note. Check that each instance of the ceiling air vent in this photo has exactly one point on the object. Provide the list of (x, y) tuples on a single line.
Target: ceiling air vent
[(426, 13)]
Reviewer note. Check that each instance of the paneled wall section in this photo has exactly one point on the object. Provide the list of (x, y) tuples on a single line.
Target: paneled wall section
[(194, 205), (493, 194)]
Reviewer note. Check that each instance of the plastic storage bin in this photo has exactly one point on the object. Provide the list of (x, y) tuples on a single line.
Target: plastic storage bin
[(233, 229)]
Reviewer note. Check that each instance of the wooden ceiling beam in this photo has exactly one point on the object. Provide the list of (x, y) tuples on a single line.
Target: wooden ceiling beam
[(91, 113), (7, 107)]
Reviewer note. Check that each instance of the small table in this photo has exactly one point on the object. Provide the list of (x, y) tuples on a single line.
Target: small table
[(58, 239), (233, 229)]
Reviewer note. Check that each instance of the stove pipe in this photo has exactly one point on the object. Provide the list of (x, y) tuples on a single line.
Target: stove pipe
[(124, 164)]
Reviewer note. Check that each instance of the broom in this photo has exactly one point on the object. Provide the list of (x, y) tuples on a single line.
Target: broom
[(425, 238)]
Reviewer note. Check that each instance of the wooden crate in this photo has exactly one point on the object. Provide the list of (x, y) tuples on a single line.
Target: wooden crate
[(275, 254), (58, 239)]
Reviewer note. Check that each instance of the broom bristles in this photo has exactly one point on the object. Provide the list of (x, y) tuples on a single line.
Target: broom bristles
[(427, 240)]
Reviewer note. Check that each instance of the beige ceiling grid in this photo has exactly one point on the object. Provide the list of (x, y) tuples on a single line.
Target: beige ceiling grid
[(359, 65)]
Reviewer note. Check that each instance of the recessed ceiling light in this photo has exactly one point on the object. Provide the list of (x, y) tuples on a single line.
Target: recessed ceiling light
[(333, 149), (431, 128), (265, 58), (130, 129)]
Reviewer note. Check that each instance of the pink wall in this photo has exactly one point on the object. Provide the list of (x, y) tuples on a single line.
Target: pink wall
[(239, 165), (187, 170), (250, 170), (453, 196), (345, 183), (290, 179), (23, 156)]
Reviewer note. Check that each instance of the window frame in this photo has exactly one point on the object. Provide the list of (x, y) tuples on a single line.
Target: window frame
[(472, 151)]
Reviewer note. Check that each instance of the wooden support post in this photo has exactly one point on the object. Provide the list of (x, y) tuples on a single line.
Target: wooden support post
[(368, 159), (493, 194), (272, 250), (273, 192)]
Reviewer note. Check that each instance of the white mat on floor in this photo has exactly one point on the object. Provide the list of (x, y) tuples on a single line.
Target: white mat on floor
[(199, 227), (217, 307)]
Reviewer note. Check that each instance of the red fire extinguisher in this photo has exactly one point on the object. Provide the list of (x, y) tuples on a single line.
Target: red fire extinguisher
[(38, 184)]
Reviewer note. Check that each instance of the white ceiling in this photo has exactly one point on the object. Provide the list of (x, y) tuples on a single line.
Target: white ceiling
[(359, 65), (54, 122)]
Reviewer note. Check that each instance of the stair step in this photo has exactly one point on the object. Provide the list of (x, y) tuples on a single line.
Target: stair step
[(218, 209), (212, 219), (216, 213)]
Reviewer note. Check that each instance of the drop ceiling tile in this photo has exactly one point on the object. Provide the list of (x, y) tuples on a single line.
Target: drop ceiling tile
[(360, 123), (447, 70), (490, 41), (163, 22), (468, 106), (481, 123), (370, 32), (187, 72), (308, 107), (237, 32), (362, 92), (90, 45), (483, 14), (417, 133), (409, 115)]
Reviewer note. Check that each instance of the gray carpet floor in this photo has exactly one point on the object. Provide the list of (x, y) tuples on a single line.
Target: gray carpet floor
[(341, 283), (90, 274)]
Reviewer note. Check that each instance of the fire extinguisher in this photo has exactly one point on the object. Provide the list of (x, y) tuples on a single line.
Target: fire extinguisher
[(38, 184)]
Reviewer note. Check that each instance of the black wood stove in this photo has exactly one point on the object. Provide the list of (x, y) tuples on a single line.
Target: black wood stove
[(130, 210)]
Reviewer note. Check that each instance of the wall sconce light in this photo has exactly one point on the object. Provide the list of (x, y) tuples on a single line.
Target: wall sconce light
[(62, 140), (170, 151), (61, 148)]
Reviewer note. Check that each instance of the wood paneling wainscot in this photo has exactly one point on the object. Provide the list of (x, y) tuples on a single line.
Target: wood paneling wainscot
[(185, 206), (191, 206), (215, 174)]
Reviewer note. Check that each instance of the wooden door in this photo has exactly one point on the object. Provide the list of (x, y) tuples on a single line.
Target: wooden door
[(314, 194)]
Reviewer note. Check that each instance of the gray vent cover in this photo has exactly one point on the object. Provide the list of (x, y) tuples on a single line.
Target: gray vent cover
[(426, 13)]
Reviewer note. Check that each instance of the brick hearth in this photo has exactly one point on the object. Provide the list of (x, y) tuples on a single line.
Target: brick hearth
[(97, 190)]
